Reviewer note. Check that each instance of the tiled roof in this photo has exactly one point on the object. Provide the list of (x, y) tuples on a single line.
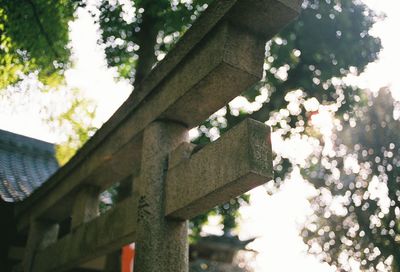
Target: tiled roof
[(25, 163), (214, 253), (230, 241)]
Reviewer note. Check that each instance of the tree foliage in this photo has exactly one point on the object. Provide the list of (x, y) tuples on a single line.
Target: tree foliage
[(357, 207), (138, 34), (34, 38)]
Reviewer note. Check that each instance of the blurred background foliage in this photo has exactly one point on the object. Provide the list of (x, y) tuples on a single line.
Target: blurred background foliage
[(303, 72), (357, 206), (34, 38)]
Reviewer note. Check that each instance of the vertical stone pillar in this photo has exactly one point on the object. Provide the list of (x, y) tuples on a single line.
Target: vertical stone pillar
[(41, 234), (86, 205), (161, 243)]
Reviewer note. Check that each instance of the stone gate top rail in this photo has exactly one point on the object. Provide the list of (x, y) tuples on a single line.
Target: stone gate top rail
[(221, 55)]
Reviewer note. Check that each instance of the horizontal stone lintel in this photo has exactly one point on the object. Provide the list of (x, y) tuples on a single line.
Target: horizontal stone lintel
[(232, 165), (102, 235)]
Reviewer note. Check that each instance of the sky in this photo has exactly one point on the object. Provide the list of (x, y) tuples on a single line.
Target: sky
[(274, 219), (384, 72)]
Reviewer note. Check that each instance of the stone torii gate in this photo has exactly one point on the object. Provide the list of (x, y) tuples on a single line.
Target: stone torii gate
[(145, 144)]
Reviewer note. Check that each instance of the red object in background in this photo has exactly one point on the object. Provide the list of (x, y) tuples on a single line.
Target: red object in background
[(128, 257)]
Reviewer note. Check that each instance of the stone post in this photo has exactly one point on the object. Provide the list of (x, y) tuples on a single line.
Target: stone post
[(161, 243), (41, 234)]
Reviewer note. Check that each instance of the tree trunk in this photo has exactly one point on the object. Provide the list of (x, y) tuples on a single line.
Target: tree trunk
[(146, 41)]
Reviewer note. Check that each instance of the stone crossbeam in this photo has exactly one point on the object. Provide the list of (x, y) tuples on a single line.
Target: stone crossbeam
[(237, 162), (217, 59), (102, 235)]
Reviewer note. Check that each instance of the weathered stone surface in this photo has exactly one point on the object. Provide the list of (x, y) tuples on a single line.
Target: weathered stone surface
[(237, 162), (161, 243), (224, 66), (264, 18), (181, 153), (218, 58), (41, 234), (103, 234), (98, 171), (86, 206)]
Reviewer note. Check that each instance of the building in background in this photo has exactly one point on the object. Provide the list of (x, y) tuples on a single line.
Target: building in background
[(25, 164), (220, 254)]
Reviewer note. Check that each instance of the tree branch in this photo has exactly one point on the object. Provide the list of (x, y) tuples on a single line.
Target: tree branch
[(146, 41), (41, 28)]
